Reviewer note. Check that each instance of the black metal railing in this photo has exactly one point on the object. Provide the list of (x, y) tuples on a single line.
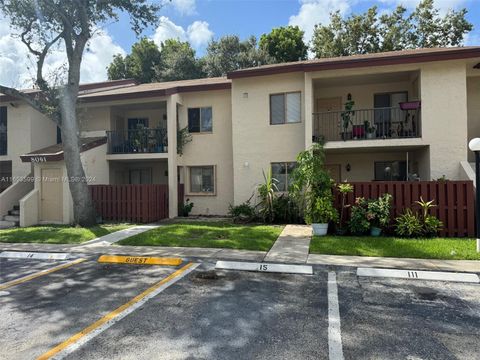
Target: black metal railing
[(137, 141), (378, 123), (3, 143)]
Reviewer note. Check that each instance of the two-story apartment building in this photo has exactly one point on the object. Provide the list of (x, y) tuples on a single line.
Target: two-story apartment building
[(404, 115)]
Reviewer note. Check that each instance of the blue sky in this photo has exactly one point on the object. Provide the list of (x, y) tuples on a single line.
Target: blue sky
[(198, 21)]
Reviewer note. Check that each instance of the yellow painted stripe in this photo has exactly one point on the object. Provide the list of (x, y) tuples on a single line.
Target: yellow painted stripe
[(111, 315), (139, 260), (40, 273)]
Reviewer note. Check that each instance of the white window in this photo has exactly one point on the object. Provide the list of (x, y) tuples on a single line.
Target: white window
[(282, 172), (200, 120), (285, 108), (202, 179)]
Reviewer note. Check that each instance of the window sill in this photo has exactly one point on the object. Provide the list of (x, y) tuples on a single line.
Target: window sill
[(289, 123), (201, 194), (201, 133)]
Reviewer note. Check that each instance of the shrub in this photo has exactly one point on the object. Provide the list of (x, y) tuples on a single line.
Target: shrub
[(285, 210), (242, 213), (344, 189), (408, 224), (185, 208), (321, 211), (266, 192), (378, 211), (359, 223), (431, 226)]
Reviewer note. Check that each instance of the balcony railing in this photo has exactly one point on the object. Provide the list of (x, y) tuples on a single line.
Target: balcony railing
[(137, 141), (378, 123), (3, 143)]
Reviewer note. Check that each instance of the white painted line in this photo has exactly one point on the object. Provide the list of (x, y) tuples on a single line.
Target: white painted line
[(35, 255), (335, 349), (264, 267), (83, 340), (418, 275)]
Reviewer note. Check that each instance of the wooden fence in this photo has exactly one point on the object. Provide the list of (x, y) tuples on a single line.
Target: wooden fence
[(133, 203), (454, 200)]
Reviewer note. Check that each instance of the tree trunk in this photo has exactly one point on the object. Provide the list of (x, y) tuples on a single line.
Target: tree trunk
[(83, 209)]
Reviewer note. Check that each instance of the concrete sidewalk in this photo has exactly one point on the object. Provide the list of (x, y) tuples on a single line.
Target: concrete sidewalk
[(116, 236), (292, 245)]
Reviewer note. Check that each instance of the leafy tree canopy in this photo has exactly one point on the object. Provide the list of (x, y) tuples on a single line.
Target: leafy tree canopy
[(139, 64), (285, 44), (178, 62), (369, 33)]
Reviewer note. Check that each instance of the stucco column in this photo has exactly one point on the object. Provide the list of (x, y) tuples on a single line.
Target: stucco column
[(172, 155), (308, 101), (444, 117)]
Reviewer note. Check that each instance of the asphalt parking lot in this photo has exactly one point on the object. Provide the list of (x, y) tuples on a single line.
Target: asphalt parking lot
[(200, 313)]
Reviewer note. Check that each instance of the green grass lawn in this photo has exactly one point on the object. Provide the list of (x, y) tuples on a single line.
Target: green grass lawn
[(58, 234), (215, 234), (436, 248)]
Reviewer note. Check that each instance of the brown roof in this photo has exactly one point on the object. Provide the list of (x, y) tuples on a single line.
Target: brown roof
[(55, 152), (158, 89), (377, 59)]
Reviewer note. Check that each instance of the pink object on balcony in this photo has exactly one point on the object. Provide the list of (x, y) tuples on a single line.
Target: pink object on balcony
[(358, 131), (410, 105)]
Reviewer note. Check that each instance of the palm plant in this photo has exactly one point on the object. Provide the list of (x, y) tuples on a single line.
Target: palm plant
[(266, 192)]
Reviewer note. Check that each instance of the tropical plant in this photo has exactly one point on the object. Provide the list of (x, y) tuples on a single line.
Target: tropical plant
[(359, 223), (183, 138), (408, 224), (266, 192), (344, 189), (425, 206), (321, 211), (368, 128), (378, 211), (286, 209)]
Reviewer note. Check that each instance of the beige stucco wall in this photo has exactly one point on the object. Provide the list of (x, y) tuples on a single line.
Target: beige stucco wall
[(256, 143), (210, 149), (95, 165), (27, 130), (444, 116), (473, 102)]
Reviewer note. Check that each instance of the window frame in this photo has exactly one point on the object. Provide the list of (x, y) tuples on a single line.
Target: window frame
[(200, 120), (285, 163), (285, 107), (201, 193)]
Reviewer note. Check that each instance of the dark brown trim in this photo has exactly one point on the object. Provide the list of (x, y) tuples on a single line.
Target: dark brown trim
[(156, 93), (106, 84), (58, 156), (368, 61)]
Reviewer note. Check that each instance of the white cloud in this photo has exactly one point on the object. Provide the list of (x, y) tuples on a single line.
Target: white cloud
[(198, 33), (17, 67), (313, 12), (184, 7)]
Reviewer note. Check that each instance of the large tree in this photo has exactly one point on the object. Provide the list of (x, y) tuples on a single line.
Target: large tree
[(178, 62), (43, 24), (366, 33), (229, 53), (139, 64), (285, 44)]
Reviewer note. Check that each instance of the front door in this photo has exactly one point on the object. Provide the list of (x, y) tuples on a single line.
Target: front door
[(51, 202)]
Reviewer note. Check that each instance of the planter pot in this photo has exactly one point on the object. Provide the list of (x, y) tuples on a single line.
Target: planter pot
[(371, 136), (375, 231), (320, 229)]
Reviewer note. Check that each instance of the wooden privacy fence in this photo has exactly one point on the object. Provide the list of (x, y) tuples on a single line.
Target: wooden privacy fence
[(133, 203), (454, 200)]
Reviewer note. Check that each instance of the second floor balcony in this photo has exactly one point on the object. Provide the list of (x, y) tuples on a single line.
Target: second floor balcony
[(368, 124), (141, 140)]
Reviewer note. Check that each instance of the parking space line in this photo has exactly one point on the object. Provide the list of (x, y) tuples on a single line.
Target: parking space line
[(91, 331), (335, 351), (40, 273)]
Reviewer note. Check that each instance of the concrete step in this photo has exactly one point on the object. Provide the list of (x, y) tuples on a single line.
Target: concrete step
[(7, 224), (12, 218), (14, 212)]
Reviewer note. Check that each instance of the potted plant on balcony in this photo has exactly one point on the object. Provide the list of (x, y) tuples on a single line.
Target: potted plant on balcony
[(346, 116), (369, 130), (319, 213)]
